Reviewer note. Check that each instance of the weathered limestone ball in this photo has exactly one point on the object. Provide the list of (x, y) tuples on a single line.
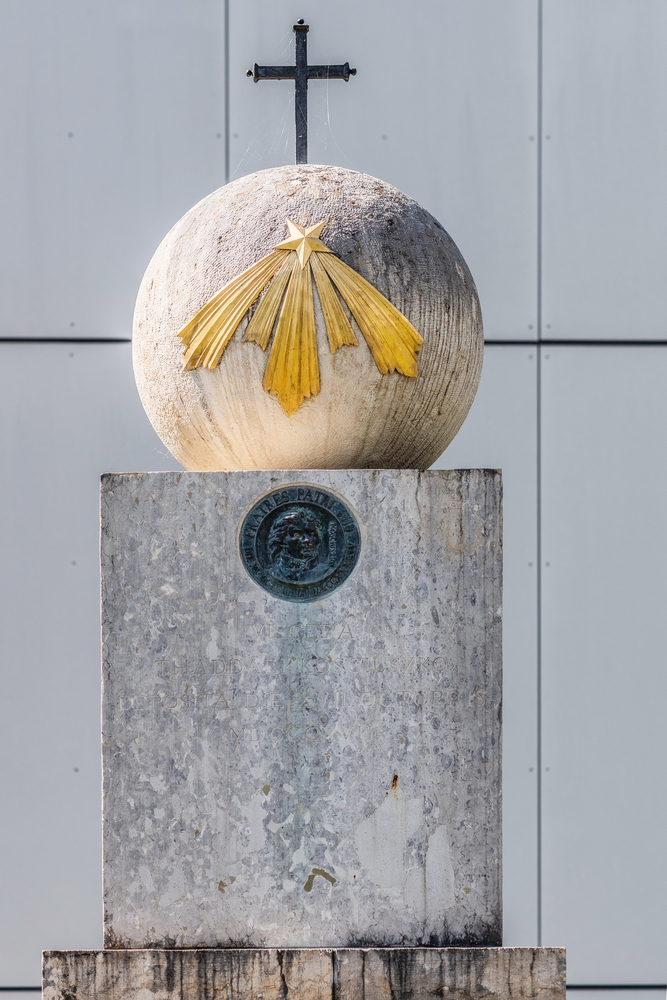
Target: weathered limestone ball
[(223, 418)]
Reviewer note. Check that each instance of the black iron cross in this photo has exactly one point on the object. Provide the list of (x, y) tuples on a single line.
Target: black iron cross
[(301, 73)]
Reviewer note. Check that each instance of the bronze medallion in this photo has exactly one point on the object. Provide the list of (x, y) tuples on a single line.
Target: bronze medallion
[(300, 543)]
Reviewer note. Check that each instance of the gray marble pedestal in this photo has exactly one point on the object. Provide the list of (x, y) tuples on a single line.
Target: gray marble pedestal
[(324, 773)]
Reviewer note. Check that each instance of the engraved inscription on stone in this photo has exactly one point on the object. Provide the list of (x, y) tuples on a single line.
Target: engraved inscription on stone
[(300, 543)]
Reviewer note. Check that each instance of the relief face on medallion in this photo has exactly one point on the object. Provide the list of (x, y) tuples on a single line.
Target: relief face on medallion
[(300, 542)]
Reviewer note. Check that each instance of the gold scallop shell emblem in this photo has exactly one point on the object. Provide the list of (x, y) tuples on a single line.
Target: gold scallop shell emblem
[(286, 310)]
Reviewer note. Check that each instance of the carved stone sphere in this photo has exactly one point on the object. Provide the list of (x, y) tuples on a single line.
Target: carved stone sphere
[(223, 419)]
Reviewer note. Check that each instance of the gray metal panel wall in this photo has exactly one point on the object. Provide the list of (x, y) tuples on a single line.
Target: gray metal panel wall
[(604, 469), (111, 126), (616, 994), (68, 412), (605, 161)]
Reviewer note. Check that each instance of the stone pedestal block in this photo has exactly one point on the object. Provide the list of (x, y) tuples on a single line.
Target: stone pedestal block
[(306, 974), (302, 685)]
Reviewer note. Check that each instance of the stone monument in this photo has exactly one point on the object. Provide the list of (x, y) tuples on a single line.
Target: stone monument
[(302, 667)]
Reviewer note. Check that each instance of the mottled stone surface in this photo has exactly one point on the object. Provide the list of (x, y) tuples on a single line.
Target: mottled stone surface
[(320, 774), (307, 974)]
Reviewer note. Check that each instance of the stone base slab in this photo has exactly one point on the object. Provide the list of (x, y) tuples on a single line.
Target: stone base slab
[(305, 974)]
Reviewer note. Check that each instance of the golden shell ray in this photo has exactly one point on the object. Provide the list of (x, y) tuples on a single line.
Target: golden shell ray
[(286, 277), (292, 373), (338, 326), (260, 327)]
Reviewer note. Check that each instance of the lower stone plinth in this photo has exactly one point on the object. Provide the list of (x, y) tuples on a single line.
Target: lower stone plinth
[(305, 974)]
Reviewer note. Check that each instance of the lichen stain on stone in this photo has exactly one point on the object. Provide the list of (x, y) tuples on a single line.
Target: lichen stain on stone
[(223, 885), (313, 875)]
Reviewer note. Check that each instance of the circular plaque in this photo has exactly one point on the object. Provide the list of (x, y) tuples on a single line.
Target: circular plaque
[(300, 542)]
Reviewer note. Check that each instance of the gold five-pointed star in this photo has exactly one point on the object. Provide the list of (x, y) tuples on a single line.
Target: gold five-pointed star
[(304, 240)]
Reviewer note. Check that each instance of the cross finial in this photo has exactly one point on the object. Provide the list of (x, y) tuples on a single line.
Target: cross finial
[(301, 73)]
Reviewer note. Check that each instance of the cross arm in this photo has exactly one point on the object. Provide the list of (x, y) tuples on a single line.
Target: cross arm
[(343, 72), (340, 72), (272, 72)]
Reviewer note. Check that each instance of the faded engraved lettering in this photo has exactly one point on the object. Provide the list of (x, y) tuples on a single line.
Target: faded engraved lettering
[(235, 666), (272, 701)]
